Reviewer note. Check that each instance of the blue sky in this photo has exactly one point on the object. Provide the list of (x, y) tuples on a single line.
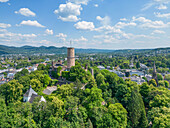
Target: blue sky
[(101, 24)]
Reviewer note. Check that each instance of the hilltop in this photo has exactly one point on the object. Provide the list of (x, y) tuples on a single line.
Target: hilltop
[(63, 50)]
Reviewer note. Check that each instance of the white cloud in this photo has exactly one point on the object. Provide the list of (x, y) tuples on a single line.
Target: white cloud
[(9, 36), (113, 38), (68, 12), (123, 19), (28, 35), (108, 29), (81, 39), (31, 23), (85, 2), (25, 12), (3, 25), (142, 36), (165, 15), (162, 1), (122, 24), (4, 1), (18, 39), (45, 42), (155, 24), (49, 32), (158, 32), (110, 40), (162, 7), (16, 35), (141, 19), (96, 5), (61, 35), (154, 2), (84, 25), (70, 18), (147, 23), (147, 6), (105, 20), (3, 30)]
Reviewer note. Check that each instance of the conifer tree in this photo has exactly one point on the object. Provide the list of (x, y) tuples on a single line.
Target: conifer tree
[(136, 109)]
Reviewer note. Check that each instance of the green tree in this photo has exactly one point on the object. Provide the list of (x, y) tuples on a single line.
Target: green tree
[(160, 117), (161, 83), (89, 124), (100, 79), (91, 83), (40, 112), (65, 74), (123, 94), (160, 100), (94, 98), (127, 74), (47, 80), (25, 81), (159, 76), (153, 82), (167, 77), (78, 89), (3, 113), (58, 105), (12, 91), (145, 90), (36, 85), (65, 90), (26, 115), (41, 67), (136, 109), (119, 115), (166, 84), (21, 73), (76, 72), (138, 65)]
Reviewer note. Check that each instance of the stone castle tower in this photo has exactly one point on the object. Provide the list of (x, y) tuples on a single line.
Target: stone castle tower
[(70, 57)]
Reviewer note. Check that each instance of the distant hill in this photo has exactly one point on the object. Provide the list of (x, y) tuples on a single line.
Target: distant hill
[(63, 50), (43, 49)]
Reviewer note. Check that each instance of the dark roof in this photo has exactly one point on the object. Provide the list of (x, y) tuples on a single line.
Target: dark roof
[(30, 92), (33, 97), (47, 92)]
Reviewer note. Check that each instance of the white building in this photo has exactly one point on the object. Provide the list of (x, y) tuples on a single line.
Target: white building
[(10, 75), (120, 74), (30, 95), (134, 71), (148, 77), (1, 77), (101, 67), (136, 79), (143, 66)]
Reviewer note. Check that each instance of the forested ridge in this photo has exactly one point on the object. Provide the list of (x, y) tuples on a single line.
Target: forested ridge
[(44, 50), (100, 101), (60, 50)]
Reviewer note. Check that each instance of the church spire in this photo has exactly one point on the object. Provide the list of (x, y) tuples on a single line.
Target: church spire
[(154, 68)]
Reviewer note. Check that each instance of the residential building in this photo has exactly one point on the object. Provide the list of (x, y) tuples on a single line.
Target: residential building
[(30, 95), (10, 75), (101, 67), (136, 79)]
